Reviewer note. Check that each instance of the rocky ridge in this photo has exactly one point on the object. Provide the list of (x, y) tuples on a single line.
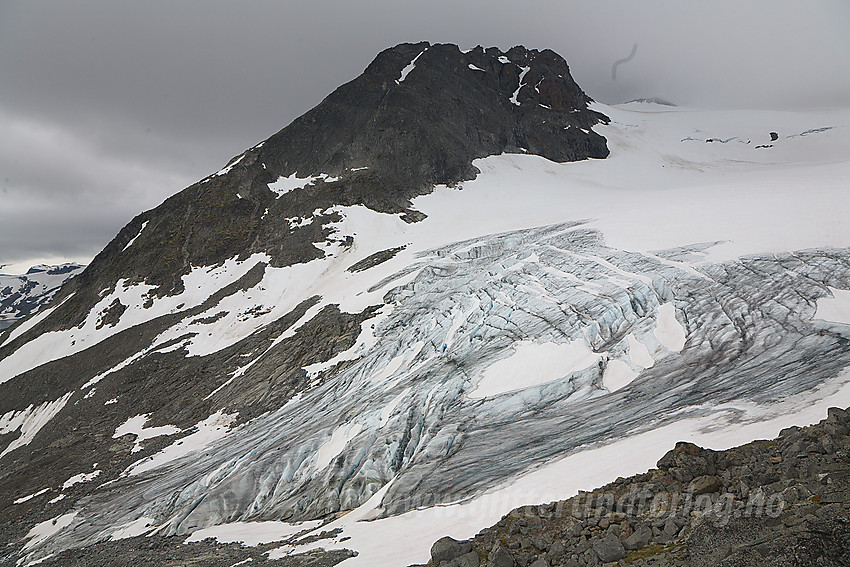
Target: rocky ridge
[(389, 135), (299, 379), (767, 503), (417, 117)]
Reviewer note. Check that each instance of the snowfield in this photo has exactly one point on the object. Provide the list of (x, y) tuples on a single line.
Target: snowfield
[(544, 330)]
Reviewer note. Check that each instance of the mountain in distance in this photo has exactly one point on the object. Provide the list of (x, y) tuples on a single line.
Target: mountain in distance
[(399, 317), (21, 295), (654, 100)]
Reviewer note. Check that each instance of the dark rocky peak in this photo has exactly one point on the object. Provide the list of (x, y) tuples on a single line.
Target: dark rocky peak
[(416, 117), (421, 113)]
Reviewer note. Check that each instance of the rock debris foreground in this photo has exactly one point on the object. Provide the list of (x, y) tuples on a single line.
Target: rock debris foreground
[(767, 503)]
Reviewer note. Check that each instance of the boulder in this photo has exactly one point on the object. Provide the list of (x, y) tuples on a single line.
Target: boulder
[(639, 538), (705, 484), (557, 551), (688, 461), (609, 548), (446, 549), (499, 557), (470, 559)]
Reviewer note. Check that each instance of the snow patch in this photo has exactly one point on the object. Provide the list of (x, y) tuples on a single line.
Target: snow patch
[(123, 364), (533, 364), (835, 309), (284, 185), (252, 533), (136, 426), (474, 68), (397, 362), (298, 222), (617, 375), (47, 529), (331, 448), (409, 67), (211, 429), (669, 332), (639, 353), (516, 92), (387, 412), (31, 496), (132, 240), (79, 478), (135, 528), (30, 421), (228, 167)]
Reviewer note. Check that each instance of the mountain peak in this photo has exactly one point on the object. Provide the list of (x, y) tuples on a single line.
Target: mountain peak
[(135, 338), (275, 345), (420, 113), (416, 118)]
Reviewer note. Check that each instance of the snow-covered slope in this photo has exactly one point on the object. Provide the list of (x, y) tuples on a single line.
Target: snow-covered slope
[(573, 319), (22, 295), (541, 329)]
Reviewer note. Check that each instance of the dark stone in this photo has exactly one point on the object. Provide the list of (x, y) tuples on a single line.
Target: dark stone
[(499, 557), (446, 549), (671, 528), (470, 559), (609, 548), (375, 259), (705, 484), (111, 315), (638, 539), (688, 461), (837, 415), (557, 551)]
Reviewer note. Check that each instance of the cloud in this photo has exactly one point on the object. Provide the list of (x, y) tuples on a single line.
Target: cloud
[(108, 107), (64, 196)]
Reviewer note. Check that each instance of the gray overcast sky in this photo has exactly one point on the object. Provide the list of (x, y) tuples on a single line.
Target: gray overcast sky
[(107, 108)]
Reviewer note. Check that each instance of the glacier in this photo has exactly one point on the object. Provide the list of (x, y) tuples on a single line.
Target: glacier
[(540, 319)]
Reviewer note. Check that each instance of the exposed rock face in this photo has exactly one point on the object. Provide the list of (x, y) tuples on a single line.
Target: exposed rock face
[(377, 140), (120, 332), (473, 302), (239, 354), (776, 503), (174, 552)]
